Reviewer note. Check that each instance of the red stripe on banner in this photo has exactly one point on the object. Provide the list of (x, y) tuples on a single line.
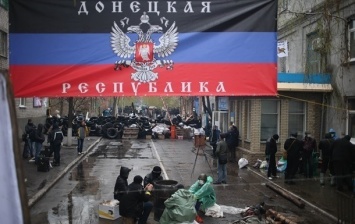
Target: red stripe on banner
[(188, 79)]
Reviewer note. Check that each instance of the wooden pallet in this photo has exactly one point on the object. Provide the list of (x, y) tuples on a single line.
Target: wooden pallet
[(179, 132), (129, 136), (130, 133)]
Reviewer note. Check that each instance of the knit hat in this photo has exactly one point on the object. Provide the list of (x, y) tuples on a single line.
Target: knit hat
[(138, 179), (157, 169), (275, 136)]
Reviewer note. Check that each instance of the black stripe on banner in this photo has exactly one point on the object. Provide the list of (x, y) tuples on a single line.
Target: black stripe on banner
[(97, 16)]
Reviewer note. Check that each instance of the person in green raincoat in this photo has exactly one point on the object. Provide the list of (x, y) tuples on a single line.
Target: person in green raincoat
[(203, 192), (179, 208)]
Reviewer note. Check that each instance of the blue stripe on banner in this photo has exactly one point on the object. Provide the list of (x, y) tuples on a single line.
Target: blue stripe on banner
[(59, 49)]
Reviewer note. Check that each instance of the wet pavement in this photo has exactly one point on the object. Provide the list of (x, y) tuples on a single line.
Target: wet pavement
[(89, 179)]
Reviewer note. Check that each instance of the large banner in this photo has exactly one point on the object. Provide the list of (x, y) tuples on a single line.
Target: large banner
[(61, 48)]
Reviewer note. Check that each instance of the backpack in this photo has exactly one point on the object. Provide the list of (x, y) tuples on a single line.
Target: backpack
[(43, 164), (57, 138)]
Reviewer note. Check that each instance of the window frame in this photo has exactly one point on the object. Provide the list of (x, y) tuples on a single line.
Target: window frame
[(312, 56), (351, 30), (300, 135), (277, 118), (22, 103)]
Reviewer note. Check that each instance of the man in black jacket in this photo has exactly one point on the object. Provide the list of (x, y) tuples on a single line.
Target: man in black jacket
[(232, 140), (309, 147), (133, 202), (153, 176), (326, 154), (271, 149), (121, 185), (294, 147), (214, 139), (30, 143), (56, 138), (342, 159), (39, 139)]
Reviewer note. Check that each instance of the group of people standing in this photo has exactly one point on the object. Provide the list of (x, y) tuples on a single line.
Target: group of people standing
[(34, 137), (136, 198), (335, 154)]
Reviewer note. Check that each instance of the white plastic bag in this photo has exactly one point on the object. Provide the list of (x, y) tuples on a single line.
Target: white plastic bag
[(214, 211), (242, 162)]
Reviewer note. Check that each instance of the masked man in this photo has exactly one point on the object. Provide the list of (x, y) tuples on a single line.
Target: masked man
[(153, 176)]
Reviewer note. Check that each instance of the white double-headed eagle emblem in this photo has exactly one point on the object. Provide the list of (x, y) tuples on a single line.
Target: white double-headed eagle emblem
[(144, 48)]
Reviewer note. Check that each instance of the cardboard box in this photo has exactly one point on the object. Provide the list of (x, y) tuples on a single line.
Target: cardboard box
[(108, 211), (161, 136), (148, 137)]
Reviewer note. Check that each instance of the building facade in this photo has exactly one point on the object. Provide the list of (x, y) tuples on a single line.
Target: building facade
[(321, 40), (315, 78)]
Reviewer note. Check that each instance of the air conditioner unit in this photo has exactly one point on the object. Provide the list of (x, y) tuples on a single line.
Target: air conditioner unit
[(317, 44)]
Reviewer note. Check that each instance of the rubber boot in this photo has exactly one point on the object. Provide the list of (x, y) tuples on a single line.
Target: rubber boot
[(321, 179)]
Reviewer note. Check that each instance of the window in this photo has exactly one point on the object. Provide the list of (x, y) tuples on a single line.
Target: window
[(314, 44), (296, 117), (269, 118), (351, 122), (4, 4), (22, 102), (37, 102), (3, 43), (248, 112), (352, 40)]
